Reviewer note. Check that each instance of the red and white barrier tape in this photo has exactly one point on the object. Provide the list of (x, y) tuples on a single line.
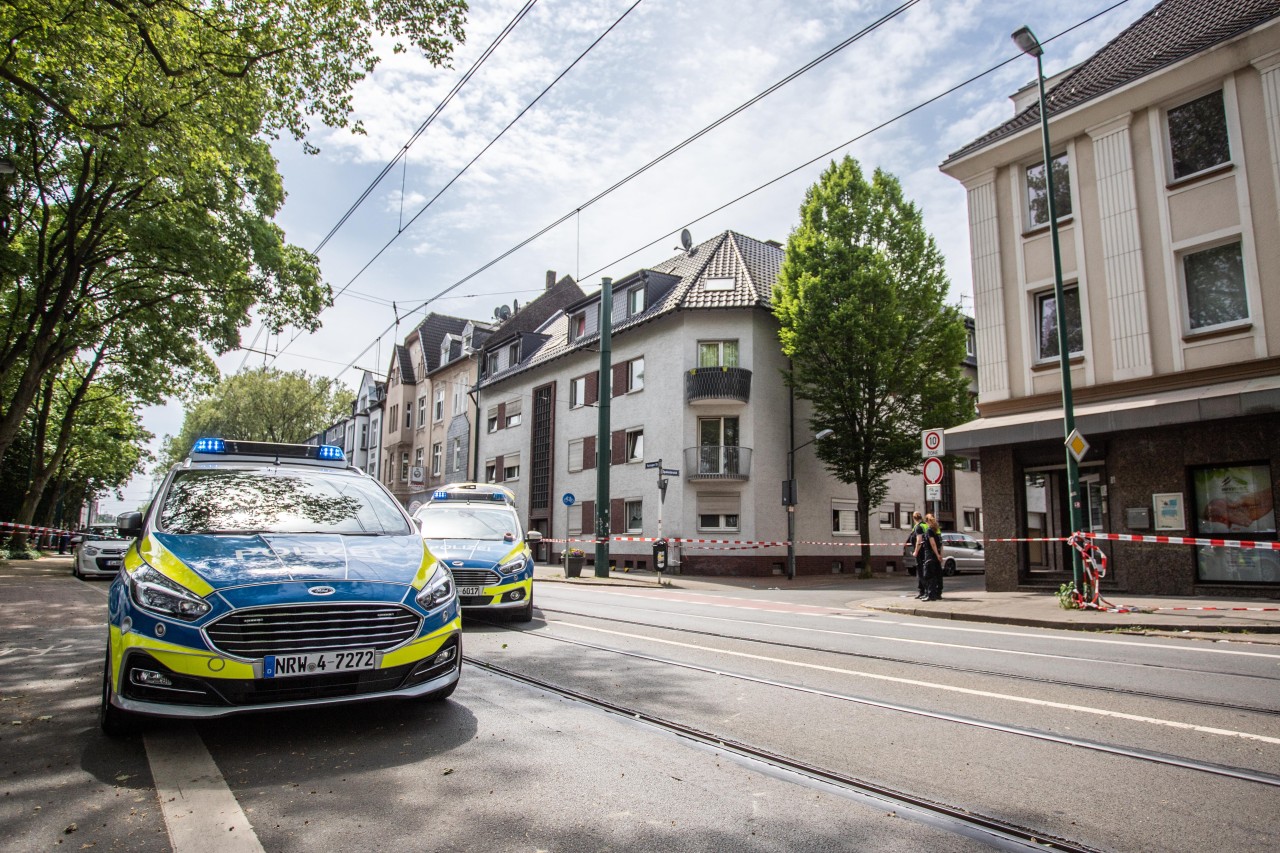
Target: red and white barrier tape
[(1186, 540)]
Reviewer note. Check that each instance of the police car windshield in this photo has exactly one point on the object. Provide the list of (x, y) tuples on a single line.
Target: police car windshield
[(276, 500), (467, 521)]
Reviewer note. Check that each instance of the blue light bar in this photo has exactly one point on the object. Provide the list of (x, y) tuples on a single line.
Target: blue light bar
[(498, 496), (209, 445), (331, 451), (439, 496)]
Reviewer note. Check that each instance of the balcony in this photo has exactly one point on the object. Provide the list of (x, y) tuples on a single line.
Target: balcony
[(717, 384), (717, 462)]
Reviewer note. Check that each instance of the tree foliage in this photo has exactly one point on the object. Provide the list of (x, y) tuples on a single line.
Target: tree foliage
[(262, 404), (871, 342), (139, 218)]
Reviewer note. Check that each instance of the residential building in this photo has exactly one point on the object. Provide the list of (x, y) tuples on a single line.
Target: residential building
[(450, 439), (696, 386), (1166, 157)]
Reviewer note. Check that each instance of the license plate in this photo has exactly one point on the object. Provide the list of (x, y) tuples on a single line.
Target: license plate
[(110, 564), (470, 590), (317, 663)]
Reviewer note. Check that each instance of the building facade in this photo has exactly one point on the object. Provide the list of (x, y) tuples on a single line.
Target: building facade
[(1166, 156)]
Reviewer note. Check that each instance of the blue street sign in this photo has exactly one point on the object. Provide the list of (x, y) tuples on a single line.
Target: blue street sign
[(652, 464), (671, 472), (568, 499)]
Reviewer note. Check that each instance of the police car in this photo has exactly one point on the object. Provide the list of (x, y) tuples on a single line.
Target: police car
[(267, 576), (473, 528)]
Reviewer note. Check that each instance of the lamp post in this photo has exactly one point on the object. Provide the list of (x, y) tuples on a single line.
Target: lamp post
[(791, 495), (1030, 45)]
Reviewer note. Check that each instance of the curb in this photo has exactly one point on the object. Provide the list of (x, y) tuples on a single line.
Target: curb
[(1024, 622)]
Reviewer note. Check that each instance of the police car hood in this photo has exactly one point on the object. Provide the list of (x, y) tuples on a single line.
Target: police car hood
[(228, 560), (474, 553)]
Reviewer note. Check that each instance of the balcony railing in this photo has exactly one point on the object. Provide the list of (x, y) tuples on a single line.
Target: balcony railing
[(717, 384), (717, 462)]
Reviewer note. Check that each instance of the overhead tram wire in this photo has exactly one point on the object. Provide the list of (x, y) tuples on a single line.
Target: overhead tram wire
[(403, 153), (949, 91), (809, 66)]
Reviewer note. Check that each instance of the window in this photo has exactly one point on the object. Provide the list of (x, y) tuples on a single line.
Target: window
[(512, 414), (975, 466), (417, 458), (844, 517), (635, 374), (635, 445), (632, 512), (575, 454), (635, 300), (445, 346), (437, 458), (437, 413), (577, 326), (408, 418), (887, 517), (973, 519), (717, 446), (422, 411), (718, 511), (457, 398), (1047, 323), (364, 436), (904, 515), (490, 471), (719, 284), (404, 466), (511, 468), (717, 354), (577, 392), (457, 454), (513, 354), (1038, 193), (394, 419), (1215, 287), (491, 364), (493, 419), (1198, 135), (1234, 501)]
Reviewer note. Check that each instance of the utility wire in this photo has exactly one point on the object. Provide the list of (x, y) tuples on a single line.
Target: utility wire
[(403, 153)]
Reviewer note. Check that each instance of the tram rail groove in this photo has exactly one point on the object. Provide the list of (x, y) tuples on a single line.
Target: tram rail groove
[(1032, 679), (1228, 771), (991, 830)]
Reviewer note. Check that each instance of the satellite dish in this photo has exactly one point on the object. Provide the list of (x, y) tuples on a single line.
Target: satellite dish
[(686, 239), (515, 306), (502, 312)]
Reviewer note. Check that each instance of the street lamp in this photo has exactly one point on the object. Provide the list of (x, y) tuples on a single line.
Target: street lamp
[(792, 500), (1030, 45)]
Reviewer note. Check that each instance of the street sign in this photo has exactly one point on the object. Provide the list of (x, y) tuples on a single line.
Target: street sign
[(671, 472), (568, 499), (931, 443), (933, 471), (653, 465), (933, 492), (1077, 445)]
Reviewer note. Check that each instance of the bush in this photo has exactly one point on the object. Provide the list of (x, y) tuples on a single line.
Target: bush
[(26, 553)]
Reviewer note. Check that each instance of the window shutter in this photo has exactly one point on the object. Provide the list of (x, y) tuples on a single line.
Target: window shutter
[(715, 503), (593, 388), (589, 452), (617, 524), (618, 447), (497, 469), (502, 415), (588, 517), (620, 379)]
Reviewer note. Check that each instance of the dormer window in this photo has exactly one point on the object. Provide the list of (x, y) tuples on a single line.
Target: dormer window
[(513, 354), (491, 364), (577, 326), (635, 301), (719, 284)]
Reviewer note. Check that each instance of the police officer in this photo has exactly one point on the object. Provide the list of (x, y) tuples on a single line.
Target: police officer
[(917, 526)]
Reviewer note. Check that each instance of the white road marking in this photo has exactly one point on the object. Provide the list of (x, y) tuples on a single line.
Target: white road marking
[(1062, 636), (986, 694), (200, 811)]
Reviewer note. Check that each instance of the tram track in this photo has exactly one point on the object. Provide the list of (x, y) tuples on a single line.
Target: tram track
[(987, 829), (1031, 679)]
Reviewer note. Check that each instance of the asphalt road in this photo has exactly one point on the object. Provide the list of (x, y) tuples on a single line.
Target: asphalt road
[(1107, 741)]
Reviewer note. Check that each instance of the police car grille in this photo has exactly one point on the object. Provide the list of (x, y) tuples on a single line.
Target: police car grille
[(312, 628), (474, 577)]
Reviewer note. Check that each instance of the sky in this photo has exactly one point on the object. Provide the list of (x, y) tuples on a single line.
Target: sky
[(662, 71)]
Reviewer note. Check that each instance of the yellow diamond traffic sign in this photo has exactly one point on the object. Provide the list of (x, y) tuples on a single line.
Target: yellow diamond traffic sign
[(1077, 445)]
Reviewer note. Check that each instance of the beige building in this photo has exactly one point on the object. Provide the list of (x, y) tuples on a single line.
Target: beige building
[(1166, 153)]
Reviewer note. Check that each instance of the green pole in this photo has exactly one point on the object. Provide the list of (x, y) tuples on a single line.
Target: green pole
[(603, 446), (1064, 357)]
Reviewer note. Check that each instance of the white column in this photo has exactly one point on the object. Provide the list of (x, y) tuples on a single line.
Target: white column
[(988, 290)]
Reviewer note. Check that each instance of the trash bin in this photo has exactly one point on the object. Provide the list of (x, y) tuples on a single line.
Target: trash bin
[(660, 555)]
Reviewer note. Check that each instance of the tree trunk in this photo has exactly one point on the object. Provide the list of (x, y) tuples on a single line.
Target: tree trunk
[(864, 529)]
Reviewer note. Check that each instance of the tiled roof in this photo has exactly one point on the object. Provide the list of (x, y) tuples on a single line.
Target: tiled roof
[(406, 365), (1170, 32), (753, 265), (532, 316), (431, 332)]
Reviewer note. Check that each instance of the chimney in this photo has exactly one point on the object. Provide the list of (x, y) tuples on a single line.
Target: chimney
[(551, 279)]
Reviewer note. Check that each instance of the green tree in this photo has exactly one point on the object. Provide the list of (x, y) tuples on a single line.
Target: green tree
[(145, 186), (261, 404), (872, 346)]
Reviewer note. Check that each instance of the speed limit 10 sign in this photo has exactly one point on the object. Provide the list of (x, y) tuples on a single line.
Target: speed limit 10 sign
[(931, 443)]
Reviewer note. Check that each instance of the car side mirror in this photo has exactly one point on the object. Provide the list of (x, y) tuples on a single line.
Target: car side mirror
[(129, 525), (420, 522), (532, 536)]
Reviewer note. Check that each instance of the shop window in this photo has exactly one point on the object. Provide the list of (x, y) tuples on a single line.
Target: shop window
[(1038, 191), (1235, 502), (1198, 135), (1214, 280)]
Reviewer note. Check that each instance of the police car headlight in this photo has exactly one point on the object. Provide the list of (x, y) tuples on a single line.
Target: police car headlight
[(438, 591), (90, 551), (510, 567), (152, 591)]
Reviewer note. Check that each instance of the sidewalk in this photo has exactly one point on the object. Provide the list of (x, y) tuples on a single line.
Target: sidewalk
[(1214, 618)]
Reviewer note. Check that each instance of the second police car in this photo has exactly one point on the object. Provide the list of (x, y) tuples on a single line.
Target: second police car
[(475, 531), (268, 576)]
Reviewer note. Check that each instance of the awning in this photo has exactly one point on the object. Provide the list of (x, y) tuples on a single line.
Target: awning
[(1166, 408)]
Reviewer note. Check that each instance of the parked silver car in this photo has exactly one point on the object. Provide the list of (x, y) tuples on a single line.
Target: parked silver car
[(99, 552), (960, 553)]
